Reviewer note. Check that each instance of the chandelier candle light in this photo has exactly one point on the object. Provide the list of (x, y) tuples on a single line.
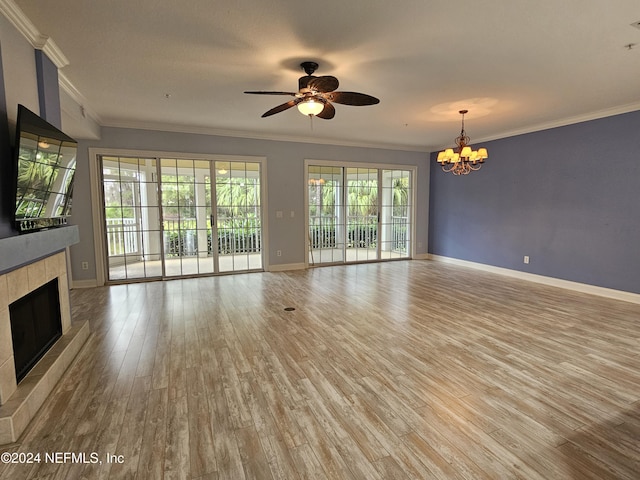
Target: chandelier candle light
[(465, 160)]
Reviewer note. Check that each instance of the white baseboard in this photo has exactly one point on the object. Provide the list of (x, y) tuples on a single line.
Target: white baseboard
[(84, 283), (286, 267), (553, 282), (422, 256)]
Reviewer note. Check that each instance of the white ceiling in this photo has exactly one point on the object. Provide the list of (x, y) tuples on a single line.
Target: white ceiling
[(516, 65)]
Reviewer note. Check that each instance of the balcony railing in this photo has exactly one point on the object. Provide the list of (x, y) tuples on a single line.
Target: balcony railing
[(122, 236), (399, 234), (361, 232), (244, 235), (180, 237)]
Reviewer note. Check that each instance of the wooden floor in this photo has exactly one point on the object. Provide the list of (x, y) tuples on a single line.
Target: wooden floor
[(399, 370)]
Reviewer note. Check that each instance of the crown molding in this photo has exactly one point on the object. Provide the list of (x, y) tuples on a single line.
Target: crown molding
[(141, 125), (586, 117), (18, 19), (67, 87), (595, 115), (51, 49), (21, 22)]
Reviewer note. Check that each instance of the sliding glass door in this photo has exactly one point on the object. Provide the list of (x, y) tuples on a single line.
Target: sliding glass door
[(358, 214), (133, 235), (176, 217)]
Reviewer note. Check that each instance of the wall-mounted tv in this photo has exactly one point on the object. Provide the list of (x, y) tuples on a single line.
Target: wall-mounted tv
[(45, 167)]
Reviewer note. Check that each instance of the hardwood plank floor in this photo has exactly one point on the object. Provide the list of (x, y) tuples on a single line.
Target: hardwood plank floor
[(403, 370)]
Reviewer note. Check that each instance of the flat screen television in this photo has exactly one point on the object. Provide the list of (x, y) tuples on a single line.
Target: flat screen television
[(45, 166)]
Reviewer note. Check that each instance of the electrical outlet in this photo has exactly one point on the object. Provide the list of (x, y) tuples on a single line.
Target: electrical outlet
[(526, 259), (279, 253), (85, 265)]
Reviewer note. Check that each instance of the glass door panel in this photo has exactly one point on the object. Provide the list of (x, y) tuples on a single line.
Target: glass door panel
[(131, 212), (362, 214), (395, 219), (205, 262), (186, 212), (206, 258), (238, 218), (327, 233)]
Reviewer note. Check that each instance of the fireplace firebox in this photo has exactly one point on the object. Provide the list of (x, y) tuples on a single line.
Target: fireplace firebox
[(35, 326)]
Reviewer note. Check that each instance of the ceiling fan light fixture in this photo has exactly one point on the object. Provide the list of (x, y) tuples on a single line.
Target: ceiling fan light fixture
[(310, 107)]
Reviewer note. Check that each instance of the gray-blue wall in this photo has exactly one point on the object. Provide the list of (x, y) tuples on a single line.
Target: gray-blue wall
[(6, 160), (567, 197), (30, 80)]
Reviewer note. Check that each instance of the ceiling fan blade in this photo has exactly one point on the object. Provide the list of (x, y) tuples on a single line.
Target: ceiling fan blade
[(282, 108), (303, 82), (352, 98), (324, 84), (328, 112), (272, 93)]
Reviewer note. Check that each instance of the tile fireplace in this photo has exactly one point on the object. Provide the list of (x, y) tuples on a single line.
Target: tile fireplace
[(20, 400)]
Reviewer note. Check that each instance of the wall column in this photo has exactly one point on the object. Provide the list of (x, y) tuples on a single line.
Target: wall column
[(48, 89)]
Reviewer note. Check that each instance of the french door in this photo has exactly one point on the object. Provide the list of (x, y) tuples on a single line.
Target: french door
[(176, 217), (358, 214)]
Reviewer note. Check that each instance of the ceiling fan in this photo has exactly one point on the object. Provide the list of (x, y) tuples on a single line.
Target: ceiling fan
[(316, 94)]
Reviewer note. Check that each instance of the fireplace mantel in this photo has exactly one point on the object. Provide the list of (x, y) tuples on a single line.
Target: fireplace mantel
[(23, 249)]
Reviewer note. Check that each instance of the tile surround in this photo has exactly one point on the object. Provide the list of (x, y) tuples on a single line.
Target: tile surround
[(6, 347), (20, 403)]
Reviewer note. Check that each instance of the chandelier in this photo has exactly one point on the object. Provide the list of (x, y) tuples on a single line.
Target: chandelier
[(464, 160)]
